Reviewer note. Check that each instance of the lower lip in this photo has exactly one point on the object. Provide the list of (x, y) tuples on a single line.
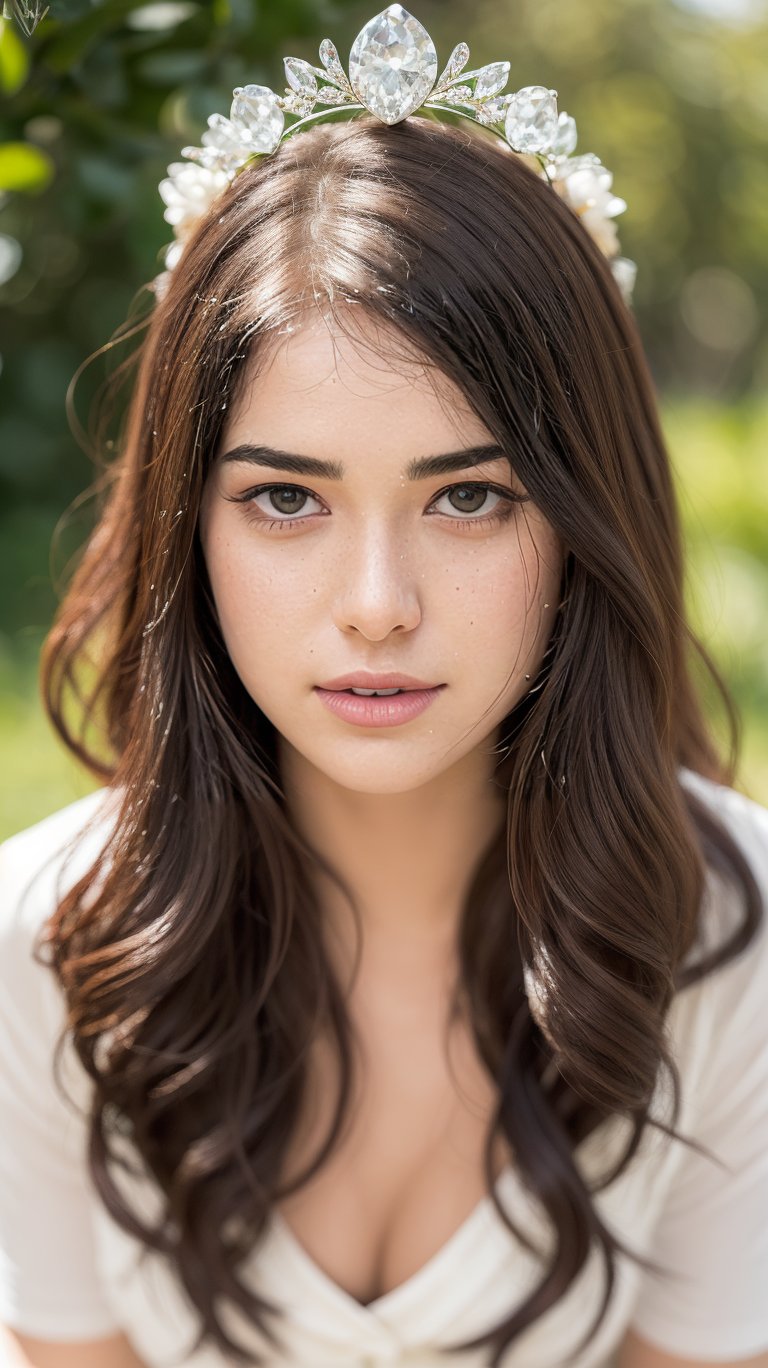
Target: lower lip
[(378, 712)]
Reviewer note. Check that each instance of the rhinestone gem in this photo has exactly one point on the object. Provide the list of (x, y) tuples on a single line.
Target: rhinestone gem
[(492, 111), (331, 95), (296, 103), (460, 94), (392, 64), (256, 110), (531, 123)]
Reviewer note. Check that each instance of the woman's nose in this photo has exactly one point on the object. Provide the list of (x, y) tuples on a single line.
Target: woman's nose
[(377, 587)]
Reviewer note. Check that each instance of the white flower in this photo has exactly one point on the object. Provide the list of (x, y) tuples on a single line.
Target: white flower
[(160, 284), (585, 184), (624, 273), (173, 254), (189, 192), (538, 984)]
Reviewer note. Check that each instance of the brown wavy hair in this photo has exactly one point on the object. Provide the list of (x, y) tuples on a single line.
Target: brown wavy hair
[(189, 955)]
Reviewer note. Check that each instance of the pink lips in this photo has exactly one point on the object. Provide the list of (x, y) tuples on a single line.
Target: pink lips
[(366, 679), (378, 712)]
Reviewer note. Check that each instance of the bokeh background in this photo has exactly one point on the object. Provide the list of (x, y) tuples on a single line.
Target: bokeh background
[(98, 96)]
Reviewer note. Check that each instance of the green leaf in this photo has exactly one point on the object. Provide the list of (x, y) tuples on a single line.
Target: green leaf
[(24, 167), (14, 62)]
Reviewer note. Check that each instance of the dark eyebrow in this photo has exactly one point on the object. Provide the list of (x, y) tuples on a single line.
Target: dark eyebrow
[(420, 469)]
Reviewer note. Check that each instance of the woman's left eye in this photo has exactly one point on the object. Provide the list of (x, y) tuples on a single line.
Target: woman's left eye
[(472, 493), (471, 498)]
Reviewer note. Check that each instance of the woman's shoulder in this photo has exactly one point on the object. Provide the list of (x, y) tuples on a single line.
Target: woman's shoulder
[(746, 822), (746, 817), (39, 863), (37, 866), (724, 1011)]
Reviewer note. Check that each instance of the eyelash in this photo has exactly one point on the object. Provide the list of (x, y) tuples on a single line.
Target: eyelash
[(501, 514)]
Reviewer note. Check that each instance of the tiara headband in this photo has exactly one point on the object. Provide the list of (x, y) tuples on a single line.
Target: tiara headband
[(392, 73)]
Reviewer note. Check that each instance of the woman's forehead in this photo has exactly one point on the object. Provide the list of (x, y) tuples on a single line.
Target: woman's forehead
[(320, 381)]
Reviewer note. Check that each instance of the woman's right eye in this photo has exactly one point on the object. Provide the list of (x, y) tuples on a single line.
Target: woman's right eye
[(284, 500)]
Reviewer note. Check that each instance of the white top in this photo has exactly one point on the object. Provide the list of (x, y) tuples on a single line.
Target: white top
[(68, 1272)]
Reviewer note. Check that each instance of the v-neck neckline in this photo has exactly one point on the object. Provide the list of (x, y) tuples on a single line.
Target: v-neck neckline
[(446, 1255)]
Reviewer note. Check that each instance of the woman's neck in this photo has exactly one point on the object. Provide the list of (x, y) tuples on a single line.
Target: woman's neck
[(408, 859)]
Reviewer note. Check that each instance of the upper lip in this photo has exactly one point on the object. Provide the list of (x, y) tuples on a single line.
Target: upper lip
[(361, 679)]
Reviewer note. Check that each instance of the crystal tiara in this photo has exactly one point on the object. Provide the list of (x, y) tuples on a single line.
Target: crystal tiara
[(393, 73)]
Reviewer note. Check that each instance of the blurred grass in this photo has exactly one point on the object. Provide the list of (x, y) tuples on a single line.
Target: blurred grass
[(719, 459), (39, 775)]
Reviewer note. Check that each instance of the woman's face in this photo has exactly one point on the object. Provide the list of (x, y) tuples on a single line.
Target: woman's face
[(363, 567)]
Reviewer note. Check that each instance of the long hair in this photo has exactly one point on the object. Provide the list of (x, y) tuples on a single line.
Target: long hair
[(189, 955)]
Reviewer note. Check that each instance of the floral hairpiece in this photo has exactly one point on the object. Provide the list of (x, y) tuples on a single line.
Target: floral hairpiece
[(392, 73)]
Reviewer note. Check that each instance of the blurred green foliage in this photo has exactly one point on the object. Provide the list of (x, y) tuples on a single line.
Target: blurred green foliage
[(98, 96)]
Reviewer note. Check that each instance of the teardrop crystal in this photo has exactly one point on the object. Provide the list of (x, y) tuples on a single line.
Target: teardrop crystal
[(457, 60), (392, 64), (334, 71), (490, 79), (256, 109), (300, 76), (531, 121), (566, 139)]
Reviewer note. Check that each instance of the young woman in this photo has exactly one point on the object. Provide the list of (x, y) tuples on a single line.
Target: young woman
[(426, 1029)]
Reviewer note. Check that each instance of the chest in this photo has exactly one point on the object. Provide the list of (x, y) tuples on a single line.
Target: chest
[(407, 1170)]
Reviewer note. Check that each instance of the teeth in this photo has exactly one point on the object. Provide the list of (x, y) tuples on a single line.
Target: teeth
[(379, 693)]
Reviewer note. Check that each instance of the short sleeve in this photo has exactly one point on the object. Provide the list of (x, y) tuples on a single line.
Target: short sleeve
[(49, 1283), (713, 1228)]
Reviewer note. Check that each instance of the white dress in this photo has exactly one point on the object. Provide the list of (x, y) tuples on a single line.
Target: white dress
[(68, 1272)]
